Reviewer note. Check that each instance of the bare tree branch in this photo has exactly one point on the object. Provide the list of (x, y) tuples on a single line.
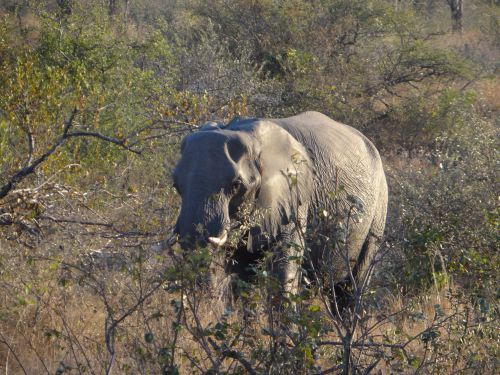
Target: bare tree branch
[(120, 142), (4, 341), (33, 164), (74, 221), (233, 354), (21, 174), (31, 145)]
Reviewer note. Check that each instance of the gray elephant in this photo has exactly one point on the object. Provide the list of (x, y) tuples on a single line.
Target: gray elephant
[(294, 172)]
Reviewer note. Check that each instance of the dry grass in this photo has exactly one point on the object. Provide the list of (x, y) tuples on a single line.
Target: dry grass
[(489, 98)]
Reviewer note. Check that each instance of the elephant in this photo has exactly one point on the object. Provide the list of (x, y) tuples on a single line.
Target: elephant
[(295, 172)]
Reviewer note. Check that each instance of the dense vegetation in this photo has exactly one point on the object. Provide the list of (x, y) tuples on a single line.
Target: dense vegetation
[(94, 98)]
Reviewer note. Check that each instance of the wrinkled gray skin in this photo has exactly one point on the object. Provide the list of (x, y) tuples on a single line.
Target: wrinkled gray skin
[(256, 161)]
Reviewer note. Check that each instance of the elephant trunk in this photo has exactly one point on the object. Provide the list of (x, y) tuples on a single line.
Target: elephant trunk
[(203, 221)]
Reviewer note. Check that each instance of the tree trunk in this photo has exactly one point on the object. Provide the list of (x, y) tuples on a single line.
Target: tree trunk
[(112, 7), (456, 7), (127, 9)]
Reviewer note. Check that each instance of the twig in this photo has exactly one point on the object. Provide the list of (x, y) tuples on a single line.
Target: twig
[(4, 341), (120, 142), (227, 353), (74, 221), (357, 344), (199, 328), (330, 370), (110, 328), (176, 330)]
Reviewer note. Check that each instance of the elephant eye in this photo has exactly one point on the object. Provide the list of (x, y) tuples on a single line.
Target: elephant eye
[(236, 185)]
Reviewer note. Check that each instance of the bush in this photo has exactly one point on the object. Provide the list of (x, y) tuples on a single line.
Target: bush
[(448, 204)]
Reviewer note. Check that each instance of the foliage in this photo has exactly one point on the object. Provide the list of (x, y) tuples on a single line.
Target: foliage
[(449, 204)]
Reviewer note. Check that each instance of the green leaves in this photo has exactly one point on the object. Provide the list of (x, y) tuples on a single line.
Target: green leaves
[(430, 335)]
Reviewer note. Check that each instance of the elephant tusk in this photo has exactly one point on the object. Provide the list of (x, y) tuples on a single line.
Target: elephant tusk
[(218, 241)]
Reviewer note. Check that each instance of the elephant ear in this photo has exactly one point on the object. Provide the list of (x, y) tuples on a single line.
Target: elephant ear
[(286, 178)]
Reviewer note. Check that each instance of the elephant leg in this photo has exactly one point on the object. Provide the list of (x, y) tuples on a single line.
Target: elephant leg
[(363, 270), (218, 280), (346, 292), (289, 256), (288, 263)]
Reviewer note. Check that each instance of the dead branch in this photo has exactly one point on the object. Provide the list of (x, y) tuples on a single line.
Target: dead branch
[(74, 221), (24, 172), (4, 341), (120, 142), (228, 353), (33, 164)]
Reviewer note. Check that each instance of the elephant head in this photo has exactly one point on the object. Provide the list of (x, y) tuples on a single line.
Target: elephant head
[(251, 162)]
